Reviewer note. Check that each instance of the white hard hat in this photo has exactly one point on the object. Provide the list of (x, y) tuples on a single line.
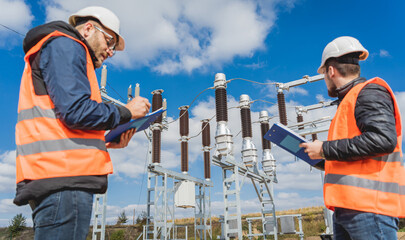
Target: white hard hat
[(107, 18), (342, 46)]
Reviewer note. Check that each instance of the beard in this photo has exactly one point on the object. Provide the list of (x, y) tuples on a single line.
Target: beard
[(95, 46), (332, 92)]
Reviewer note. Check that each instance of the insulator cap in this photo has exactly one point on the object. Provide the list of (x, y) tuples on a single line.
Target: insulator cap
[(264, 116), (220, 81), (244, 101)]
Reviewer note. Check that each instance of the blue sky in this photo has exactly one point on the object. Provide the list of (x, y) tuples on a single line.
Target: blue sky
[(179, 46)]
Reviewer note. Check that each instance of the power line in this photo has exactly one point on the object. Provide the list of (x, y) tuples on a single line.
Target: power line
[(190, 105), (12, 30), (120, 97), (269, 83), (115, 92)]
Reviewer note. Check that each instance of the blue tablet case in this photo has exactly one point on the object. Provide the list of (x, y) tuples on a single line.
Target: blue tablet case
[(140, 124), (289, 141)]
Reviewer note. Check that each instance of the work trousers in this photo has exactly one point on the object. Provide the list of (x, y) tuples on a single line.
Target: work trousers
[(63, 215), (355, 225)]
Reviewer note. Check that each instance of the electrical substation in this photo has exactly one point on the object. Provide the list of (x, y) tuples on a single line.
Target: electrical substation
[(168, 189)]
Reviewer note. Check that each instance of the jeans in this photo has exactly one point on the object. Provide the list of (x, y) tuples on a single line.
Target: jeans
[(355, 225), (63, 215)]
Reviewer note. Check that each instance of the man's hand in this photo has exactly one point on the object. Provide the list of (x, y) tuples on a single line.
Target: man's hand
[(138, 107), (314, 149), (124, 140)]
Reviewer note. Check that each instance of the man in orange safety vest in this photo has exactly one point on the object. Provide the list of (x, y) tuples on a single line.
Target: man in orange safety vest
[(364, 167), (62, 157)]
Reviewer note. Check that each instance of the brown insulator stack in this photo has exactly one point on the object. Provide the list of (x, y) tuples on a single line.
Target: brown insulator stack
[(221, 105), (314, 136), (249, 151), (246, 122), (282, 111), (157, 102), (268, 161), (206, 142), (264, 127), (223, 136), (156, 140), (184, 131), (156, 127)]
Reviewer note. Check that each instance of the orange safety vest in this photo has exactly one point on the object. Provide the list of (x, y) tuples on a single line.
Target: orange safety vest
[(376, 184), (46, 148)]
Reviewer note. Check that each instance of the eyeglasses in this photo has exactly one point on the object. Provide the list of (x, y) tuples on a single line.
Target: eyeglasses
[(110, 42)]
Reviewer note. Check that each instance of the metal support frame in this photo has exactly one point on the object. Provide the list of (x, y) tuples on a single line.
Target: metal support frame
[(233, 177), (159, 195), (160, 222), (231, 191), (99, 216), (268, 209), (202, 213)]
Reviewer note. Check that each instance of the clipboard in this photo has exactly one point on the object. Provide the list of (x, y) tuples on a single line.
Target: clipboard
[(290, 141), (140, 124)]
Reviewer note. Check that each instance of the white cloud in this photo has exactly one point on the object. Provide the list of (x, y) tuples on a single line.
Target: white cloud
[(320, 98), (384, 53), (298, 90), (287, 201), (7, 171), (8, 209), (17, 16), (180, 36)]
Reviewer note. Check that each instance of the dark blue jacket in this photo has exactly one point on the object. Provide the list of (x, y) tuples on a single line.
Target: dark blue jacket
[(63, 68)]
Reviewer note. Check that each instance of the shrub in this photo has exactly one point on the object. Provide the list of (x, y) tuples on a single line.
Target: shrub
[(122, 218), (17, 224), (118, 235)]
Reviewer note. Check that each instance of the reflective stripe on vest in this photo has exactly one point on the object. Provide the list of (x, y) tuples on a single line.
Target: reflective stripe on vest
[(60, 145), (388, 187), (35, 112), (45, 146), (374, 185)]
